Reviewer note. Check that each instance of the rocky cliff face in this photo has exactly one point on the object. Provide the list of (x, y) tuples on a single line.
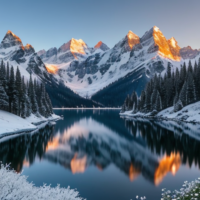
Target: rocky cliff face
[(13, 51), (89, 70), (28, 61), (72, 50), (102, 66), (10, 40), (189, 53), (100, 45)]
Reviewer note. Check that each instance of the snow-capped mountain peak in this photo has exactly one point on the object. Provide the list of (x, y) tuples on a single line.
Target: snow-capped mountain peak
[(102, 46), (133, 39), (166, 48), (10, 40)]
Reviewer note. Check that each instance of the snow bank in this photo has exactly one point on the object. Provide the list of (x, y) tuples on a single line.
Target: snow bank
[(11, 124), (190, 113), (15, 186), (38, 120)]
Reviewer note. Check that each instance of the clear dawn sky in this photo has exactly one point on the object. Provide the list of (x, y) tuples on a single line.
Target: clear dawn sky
[(50, 23)]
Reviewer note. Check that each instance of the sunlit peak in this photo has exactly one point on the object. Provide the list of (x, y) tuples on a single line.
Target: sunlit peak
[(133, 39), (15, 36), (28, 46), (10, 32), (98, 44), (78, 46), (155, 28), (173, 41)]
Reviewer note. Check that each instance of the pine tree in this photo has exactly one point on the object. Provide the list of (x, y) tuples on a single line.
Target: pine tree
[(32, 96), (48, 100), (142, 101), (3, 76), (18, 83), (3, 98), (12, 94), (168, 70), (148, 98), (158, 104), (190, 91), (182, 96), (153, 99)]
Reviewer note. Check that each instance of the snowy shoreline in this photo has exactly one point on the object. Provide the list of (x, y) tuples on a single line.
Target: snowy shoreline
[(87, 108), (11, 124), (189, 114)]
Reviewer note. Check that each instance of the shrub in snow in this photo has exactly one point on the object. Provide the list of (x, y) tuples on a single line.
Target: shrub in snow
[(15, 186)]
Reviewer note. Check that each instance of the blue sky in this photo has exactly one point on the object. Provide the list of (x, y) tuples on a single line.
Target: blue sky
[(50, 23)]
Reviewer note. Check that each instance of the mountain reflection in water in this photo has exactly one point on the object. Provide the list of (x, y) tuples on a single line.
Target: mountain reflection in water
[(83, 139)]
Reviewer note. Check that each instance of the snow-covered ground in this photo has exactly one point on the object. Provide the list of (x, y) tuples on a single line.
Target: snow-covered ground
[(15, 186), (190, 113), (11, 124)]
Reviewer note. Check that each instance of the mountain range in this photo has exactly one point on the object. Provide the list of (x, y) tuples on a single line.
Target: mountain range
[(13, 51), (99, 73)]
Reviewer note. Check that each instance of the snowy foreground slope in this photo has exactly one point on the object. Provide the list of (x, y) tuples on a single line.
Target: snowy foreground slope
[(11, 124), (190, 113), (15, 186)]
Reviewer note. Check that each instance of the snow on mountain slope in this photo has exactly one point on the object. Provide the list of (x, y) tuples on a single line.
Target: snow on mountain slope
[(88, 74), (152, 52), (13, 52)]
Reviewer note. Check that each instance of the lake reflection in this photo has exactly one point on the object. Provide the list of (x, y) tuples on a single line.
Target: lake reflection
[(97, 148)]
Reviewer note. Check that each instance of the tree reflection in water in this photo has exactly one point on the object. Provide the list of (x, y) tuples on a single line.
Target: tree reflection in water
[(137, 147)]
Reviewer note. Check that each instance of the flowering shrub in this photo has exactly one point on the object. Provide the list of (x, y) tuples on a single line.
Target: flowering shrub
[(15, 186)]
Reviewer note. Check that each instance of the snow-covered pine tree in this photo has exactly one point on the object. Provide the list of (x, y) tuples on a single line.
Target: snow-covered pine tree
[(153, 99), (18, 83), (42, 108), (158, 104), (3, 80), (48, 100), (169, 70), (182, 96), (190, 69), (198, 81), (23, 109), (142, 101), (148, 98), (12, 94), (190, 91), (163, 91), (32, 96), (3, 98)]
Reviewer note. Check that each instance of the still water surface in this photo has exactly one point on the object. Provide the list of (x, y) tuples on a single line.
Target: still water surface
[(106, 157)]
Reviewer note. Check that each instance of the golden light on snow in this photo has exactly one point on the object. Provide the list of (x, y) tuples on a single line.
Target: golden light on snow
[(98, 44), (28, 46), (77, 46), (167, 49), (16, 37), (133, 39), (167, 164), (52, 69), (78, 165)]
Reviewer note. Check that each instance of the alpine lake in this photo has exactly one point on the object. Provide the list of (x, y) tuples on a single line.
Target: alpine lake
[(105, 156)]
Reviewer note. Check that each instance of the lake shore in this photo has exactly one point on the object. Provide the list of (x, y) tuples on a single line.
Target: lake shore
[(14, 125), (188, 114)]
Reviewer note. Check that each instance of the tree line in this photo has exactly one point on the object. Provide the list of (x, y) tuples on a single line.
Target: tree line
[(177, 88), (21, 97)]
